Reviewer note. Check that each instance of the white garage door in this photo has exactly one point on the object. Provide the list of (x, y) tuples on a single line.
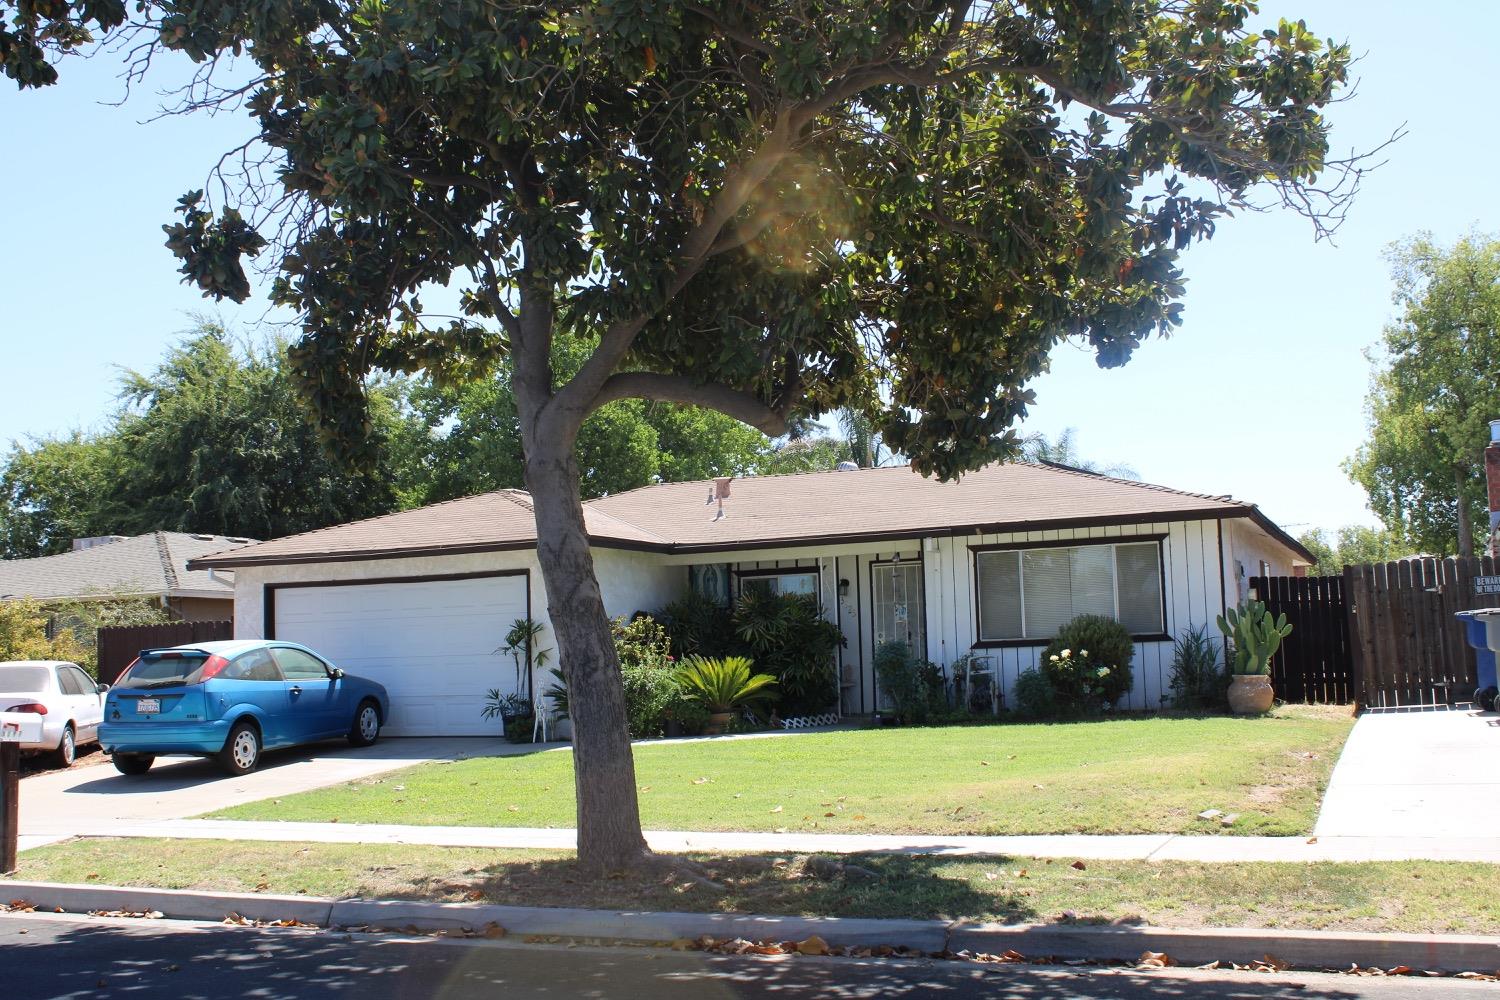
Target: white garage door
[(432, 643)]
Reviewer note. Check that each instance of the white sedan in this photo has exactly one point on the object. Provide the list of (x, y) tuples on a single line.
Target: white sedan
[(70, 703)]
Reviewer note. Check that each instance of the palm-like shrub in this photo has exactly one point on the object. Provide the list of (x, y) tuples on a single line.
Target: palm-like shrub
[(724, 684)]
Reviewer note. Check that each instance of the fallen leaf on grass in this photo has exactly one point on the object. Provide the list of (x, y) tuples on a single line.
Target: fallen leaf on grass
[(776, 810), (991, 876), (984, 763), (701, 781)]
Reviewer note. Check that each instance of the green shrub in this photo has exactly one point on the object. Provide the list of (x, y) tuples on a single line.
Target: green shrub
[(724, 684), (1199, 679), (784, 635), (914, 687), (647, 673), (787, 638), (1035, 698), (698, 624), (1088, 663)]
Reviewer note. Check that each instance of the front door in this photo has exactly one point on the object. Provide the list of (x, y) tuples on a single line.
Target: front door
[(896, 590)]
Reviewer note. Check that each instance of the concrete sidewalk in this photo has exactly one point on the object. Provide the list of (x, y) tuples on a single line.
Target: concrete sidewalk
[(1158, 847)]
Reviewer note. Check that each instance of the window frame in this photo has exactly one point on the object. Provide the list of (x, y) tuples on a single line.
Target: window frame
[(739, 576), (975, 551)]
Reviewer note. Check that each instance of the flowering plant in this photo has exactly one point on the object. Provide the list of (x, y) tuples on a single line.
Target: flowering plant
[(1088, 663)]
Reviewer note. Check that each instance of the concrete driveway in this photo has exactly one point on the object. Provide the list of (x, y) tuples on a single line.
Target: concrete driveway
[(93, 800), (1421, 774)]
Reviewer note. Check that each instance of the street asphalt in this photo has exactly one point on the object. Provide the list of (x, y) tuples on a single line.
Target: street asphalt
[(51, 956)]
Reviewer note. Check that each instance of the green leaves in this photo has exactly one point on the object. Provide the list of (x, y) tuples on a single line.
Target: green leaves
[(211, 249)]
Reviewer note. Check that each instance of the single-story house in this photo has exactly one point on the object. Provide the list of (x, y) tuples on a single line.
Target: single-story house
[(151, 567), (993, 564)]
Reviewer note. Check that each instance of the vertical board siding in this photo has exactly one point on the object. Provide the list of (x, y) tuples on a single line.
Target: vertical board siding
[(1193, 592), (117, 646)]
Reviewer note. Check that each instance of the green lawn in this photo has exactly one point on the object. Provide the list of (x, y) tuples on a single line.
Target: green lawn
[(1146, 775), (1407, 896)]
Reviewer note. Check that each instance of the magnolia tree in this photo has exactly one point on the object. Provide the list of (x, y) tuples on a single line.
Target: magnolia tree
[(770, 209)]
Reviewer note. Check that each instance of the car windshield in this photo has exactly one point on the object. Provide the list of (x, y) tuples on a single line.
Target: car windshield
[(16, 679), (168, 668)]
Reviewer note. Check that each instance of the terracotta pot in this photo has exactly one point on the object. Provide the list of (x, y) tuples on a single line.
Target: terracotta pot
[(1250, 694), (717, 723)]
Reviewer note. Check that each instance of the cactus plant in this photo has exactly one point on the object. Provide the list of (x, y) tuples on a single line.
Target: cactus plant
[(1253, 636)]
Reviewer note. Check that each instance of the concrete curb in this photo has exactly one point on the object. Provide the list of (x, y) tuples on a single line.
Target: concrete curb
[(1298, 949), (178, 904)]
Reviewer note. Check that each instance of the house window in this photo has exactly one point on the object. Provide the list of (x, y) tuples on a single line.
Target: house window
[(780, 583), (1031, 593)]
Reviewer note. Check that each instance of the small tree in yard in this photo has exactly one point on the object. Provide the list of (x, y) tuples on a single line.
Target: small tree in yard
[(771, 210)]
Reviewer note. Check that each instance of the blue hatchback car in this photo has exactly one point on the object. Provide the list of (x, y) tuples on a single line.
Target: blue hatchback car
[(232, 700)]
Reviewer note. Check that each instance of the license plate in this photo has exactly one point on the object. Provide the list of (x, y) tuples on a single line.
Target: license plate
[(148, 706)]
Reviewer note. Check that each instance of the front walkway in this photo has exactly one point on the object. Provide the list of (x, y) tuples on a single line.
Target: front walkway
[(1425, 775)]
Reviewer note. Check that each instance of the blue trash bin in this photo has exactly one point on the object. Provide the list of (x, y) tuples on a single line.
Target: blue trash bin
[(1478, 624)]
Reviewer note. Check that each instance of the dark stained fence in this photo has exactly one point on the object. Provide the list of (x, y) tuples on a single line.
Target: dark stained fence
[(1315, 665), (118, 646), (1408, 648)]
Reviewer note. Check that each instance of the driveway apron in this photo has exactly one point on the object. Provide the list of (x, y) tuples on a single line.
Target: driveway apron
[(95, 800), (1416, 774)]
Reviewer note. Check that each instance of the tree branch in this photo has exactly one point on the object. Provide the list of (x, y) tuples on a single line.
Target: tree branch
[(742, 406)]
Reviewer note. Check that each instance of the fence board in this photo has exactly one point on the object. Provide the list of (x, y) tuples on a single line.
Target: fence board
[(1313, 665), (1406, 647), (118, 646)]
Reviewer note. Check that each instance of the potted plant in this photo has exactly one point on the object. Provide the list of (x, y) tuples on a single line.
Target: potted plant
[(723, 686), (1252, 638), (515, 712)]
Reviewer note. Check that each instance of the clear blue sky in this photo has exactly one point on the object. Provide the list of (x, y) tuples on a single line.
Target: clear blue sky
[(1260, 394)]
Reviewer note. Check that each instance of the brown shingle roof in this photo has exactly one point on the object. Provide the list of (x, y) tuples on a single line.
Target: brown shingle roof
[(765, 511), (148, 565), (490, 522)]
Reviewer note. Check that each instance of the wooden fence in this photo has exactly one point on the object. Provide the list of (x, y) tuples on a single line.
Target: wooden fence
[(1408, 649), (118, 646), (1314, 665)]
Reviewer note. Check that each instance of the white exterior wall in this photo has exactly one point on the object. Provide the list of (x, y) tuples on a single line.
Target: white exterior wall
[(1194, 595), (1246, 546), (628, 581)]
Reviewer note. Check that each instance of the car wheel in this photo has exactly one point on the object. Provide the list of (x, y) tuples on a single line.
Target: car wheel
[(133, 763), (365, 729), (67, 748), (241, 751)]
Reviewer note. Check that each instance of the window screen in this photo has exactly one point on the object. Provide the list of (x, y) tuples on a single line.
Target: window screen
[(1140, 587), (1031, 593), (999, 594)]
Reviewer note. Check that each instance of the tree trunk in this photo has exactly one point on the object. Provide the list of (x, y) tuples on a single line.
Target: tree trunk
[(1465, 527), (609, 821)]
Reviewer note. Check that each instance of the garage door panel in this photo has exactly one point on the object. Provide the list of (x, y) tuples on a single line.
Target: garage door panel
[(433, 644)]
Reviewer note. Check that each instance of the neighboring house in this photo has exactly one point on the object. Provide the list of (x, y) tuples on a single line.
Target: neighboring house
[(152, 567), (421, 600)]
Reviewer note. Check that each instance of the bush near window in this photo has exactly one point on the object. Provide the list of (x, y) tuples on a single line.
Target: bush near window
[(1035, 698), (782, 633), (1199, 678), (1095, 672)]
